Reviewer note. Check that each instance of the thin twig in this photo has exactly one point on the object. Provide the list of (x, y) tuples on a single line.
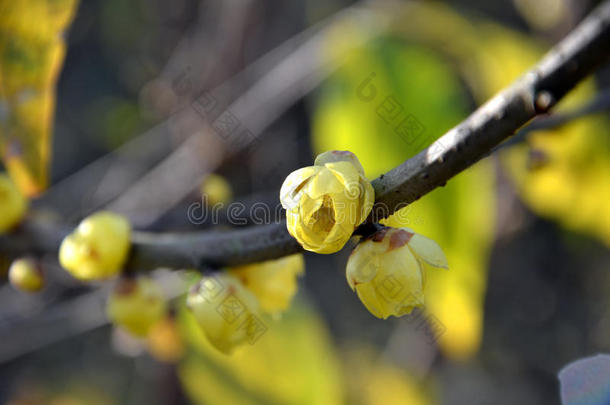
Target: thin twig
[(601, 102)]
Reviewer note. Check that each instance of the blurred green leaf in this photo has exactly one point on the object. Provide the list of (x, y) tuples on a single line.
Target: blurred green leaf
[(385, 105), (31, 53), (372, 379)]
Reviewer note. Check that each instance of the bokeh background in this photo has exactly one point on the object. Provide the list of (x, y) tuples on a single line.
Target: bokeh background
[(526, 230)]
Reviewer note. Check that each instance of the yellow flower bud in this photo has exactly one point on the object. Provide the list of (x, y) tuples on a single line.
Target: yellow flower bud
[(216, 190), (26, 275), (136, 305), (324, 203), (273, 282), (97, 248), (164, 341), (226, 311), (13, 204), (388, 270)]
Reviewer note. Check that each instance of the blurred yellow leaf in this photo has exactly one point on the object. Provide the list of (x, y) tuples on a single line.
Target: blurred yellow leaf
[(292, 362), (372, 380), (32, 49)]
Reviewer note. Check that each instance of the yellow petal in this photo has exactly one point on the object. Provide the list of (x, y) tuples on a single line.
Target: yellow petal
[(310, 241), (224, 309), (339, 156), (401, 282), (290, 193), (274, 282), (308, 207), (323, 183), (428, 250), (349, 177), (387, 276), (369, 297), (362, 268), (136, 305)]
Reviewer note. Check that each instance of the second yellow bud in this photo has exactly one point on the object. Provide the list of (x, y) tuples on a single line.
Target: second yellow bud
[(388, 270)]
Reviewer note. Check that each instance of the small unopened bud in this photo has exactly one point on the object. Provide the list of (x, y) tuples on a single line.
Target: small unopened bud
[(216, 190), (274, 282), (26, 275), (164, 340), (97, 248), (226, 311), (136, 305), (388, 270)]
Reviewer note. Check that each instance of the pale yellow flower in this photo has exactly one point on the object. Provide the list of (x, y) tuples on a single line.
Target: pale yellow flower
[(13, 204), (388, 270), (26, 275), (226, 311), (97, 248), (273, 282), (324, 203), (136, 305)]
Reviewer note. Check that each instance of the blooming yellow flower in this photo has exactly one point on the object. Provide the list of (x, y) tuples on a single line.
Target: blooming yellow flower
[(136, 305), (388, 270), (325, 202), (12, 204), (97, 248), (226, 311), (26, 275), (273, 282)]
